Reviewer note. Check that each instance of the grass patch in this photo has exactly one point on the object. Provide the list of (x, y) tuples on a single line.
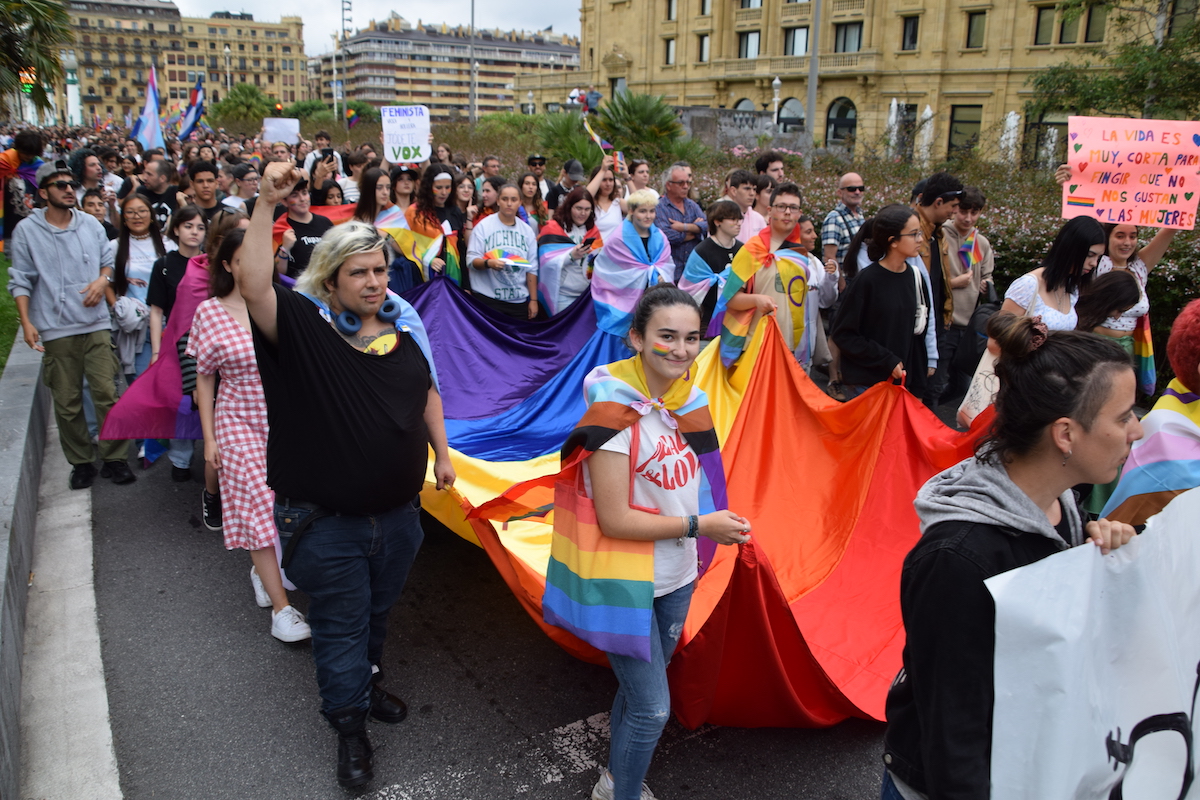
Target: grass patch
[(8, 314)]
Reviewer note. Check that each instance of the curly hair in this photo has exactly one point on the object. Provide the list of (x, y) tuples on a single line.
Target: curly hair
[(1183, 348)]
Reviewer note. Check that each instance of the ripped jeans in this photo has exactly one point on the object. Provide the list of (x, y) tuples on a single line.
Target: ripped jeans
[(643, 702)]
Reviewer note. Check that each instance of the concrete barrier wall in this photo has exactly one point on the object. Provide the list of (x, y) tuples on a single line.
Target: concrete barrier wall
[(24, 414)]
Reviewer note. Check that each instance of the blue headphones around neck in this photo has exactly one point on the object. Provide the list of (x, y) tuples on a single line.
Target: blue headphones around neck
[(348, 323)]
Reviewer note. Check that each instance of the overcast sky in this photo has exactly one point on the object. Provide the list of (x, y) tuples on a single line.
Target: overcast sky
[(322, 17)]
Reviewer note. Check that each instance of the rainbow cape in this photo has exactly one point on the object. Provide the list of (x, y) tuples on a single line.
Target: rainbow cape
[(1143, 356), (623, 270), (1165, 462), (794, 276), (427, 240), (11, 167), (554, 248), (697, 280)]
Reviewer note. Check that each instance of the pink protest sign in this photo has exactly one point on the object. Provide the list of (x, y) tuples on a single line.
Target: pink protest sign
[(1134, 171)]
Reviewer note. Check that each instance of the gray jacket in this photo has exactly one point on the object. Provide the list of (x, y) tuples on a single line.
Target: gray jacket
[(53, 267)]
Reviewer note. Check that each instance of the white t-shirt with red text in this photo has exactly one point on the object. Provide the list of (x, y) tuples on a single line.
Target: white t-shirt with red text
[(667, 480)]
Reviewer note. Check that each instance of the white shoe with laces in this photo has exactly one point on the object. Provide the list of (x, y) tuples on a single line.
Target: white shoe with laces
[(260, 593), (604, 788), (288, 625)]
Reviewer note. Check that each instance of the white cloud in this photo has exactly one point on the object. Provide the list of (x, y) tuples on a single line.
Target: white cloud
[(323, 17)]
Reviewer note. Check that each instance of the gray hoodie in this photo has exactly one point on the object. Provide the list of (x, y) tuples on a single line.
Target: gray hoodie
[(53, 266), (980, 491)]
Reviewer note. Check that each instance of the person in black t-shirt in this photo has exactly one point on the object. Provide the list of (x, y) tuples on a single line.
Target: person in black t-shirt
[(353, 407), (306, 231), (718, 250)]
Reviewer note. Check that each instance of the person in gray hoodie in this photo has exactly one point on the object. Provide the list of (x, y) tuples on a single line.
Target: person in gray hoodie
[(1064, 416), (61, 265)]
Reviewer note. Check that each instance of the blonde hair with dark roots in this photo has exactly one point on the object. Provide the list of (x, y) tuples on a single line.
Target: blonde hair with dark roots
[(340, 243)]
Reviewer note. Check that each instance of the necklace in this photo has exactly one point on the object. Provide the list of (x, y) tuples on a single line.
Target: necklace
[(141, 238)]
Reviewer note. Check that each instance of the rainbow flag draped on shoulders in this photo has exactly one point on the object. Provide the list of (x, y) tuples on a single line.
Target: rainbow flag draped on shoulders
[(599, 588), (624, 268), (1164, 463), (790, 292), (554, 248), (426, 239)]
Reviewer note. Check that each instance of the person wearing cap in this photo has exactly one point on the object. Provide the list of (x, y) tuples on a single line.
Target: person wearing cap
[(404, 184), (572, 174), (305, 229), (537, 165), (55, 251)]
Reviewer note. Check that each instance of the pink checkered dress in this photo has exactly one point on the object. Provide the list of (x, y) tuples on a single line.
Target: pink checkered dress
[(220, 343)]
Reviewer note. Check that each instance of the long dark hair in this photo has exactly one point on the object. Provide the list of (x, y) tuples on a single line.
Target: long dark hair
[(1067, 375), (887, 225), (120, 283), (540, 212), (220, 280), (1110, 295), (562, 214), (367, 209), (1062, 268), (857, 243), (425, 202)]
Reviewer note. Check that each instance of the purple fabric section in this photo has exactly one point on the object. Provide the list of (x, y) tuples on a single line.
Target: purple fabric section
[(487, 362), (1184, 397), (187, 420)]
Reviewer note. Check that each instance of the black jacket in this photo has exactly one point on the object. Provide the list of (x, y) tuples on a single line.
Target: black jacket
[(939, 709)]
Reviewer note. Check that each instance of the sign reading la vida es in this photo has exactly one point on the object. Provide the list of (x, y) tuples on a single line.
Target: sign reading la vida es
[(406, 133), (1133, 171)]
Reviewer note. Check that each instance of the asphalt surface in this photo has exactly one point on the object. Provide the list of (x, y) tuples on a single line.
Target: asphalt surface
[(206, 704)]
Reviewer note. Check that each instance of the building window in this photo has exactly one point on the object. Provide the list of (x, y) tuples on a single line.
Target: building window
[(976, 28), (795, 41), (672, 9), (751, 3), (1043, 33), (847, 37), (669, 52), (285, 49), (1097, 18), (748, 44), (908, 33), (704, 43), (705, 8), (89, 72), (965, 124), (1183, 13), (254, 47), (1068, 32)]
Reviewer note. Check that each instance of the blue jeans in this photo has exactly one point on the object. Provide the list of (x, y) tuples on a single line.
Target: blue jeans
[(643, 702), (353, 569), (180, 452), (889, 791)]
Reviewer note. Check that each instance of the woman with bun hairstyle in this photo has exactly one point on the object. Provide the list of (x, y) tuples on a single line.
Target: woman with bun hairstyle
[(1064, 416), (1051, 290)]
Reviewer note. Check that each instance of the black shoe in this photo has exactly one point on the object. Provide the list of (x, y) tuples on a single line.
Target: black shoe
[(386, 707), (119, 471), (180, 474), (82, 476), (210, 510), (354, 767)]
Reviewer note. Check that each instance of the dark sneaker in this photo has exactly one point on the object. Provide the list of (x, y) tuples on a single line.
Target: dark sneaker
[(82, 476), (210, 511), (180, 474), (119, 472)]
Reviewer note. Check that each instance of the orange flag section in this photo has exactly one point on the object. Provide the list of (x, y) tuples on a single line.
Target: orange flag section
[(335, 214)]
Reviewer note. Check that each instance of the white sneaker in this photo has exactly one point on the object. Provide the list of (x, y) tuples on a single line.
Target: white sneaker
[(260, 593), (289, 625), (604, 788)]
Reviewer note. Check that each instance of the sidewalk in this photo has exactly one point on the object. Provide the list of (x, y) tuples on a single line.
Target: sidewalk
[(66, 740)]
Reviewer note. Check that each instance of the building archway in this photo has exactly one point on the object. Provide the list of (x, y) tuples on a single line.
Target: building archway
[(791, 115), (745, 104), (841, 123)]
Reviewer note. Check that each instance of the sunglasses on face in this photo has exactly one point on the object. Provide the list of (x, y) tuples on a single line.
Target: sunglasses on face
[(537, 163), (64, 185), (854, 188)]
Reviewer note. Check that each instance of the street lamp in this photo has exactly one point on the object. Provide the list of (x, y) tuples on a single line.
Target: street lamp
[(775, 86), (532, 106), (228, 77)]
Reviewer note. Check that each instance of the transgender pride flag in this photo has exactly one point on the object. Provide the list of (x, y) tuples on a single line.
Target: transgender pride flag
[(148, 131)]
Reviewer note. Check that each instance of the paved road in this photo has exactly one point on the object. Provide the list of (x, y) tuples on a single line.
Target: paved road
[(206, 704)]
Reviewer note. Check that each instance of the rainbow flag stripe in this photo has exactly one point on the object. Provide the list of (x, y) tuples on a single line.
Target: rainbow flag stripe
[(1082, 202)]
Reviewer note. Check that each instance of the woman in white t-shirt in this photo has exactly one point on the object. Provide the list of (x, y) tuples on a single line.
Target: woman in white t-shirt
[(1122, 253), (603, 189), (1050, 291), (503, 257), (139, 244), (662, 507)]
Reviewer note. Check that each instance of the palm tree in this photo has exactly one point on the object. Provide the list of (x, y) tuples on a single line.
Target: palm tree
[(33, 32), (243, 102)]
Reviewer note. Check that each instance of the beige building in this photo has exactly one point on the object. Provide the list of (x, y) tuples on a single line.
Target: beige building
[(396, 62), (117, 41), (967, 60)]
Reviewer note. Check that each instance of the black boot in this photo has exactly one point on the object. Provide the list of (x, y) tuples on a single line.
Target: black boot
[(354, 766), (386, 707)]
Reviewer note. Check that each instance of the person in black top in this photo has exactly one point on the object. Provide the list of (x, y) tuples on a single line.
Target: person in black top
[(157, 186), (718, 250), (203, 175), (353, 408), (882, 328), (93, 203), (305, 232), (1064, 416)]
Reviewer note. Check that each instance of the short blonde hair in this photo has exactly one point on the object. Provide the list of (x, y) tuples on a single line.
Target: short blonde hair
[(338, 244), (642, 197)]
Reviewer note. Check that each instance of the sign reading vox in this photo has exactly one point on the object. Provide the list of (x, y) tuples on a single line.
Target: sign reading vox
[(406, 133)]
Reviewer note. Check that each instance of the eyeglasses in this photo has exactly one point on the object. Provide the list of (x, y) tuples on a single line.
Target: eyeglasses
[(854, 188), (681, 183), (64, 185), (787, 209), (917, 234), (137, 212)]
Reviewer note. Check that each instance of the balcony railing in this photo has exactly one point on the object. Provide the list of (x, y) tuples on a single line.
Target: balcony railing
[(747, 17), (831, 63), (848, 6)]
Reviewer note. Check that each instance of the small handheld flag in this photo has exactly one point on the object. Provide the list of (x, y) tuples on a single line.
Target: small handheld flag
[(351, 117)]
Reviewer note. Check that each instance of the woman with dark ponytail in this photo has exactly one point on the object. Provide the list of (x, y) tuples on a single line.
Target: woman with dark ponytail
[(1064, 416)]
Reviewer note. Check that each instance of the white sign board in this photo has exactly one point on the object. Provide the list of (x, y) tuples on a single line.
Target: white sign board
[(1096, 668), (406, 133), (281, 129)]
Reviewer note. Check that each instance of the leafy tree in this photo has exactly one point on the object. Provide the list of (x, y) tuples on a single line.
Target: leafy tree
[(304, 109), (33, 32), (1152, 70), (561, 136), (244, 102), (640, 123), (366, 111)]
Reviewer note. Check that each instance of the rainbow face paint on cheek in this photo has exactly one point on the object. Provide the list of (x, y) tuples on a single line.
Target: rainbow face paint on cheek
[(660, 350)]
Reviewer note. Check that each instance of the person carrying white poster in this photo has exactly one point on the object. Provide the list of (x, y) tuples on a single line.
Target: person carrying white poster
[(1064, 416)]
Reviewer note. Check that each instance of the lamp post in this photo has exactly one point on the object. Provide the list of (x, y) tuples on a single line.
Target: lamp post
[(228, 77), (775, 87), (532, 106), (472, 66)]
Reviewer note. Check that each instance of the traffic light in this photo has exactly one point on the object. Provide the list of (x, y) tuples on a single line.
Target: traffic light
[(279, 107)]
